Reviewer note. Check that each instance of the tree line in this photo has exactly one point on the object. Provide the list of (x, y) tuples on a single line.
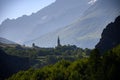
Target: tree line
[(95, 67)]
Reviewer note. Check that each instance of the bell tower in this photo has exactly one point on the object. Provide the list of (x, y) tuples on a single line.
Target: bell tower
[(58, 42)]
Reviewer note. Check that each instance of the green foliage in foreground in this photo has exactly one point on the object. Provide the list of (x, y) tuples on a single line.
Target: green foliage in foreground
[(96, 67), (60, 71)]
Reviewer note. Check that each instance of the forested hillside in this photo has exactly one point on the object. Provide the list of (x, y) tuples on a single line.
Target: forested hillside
[(96, 67), (15, 58), (11, 64)]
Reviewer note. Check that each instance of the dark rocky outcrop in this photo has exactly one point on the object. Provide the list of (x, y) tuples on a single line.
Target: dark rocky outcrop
[(110, 36)]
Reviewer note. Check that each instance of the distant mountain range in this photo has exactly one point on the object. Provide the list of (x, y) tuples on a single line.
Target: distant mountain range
[(52, 17), (74, 21), (6, 41), (85, 31)]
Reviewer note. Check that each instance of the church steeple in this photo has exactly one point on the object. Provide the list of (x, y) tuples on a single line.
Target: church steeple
[(58, 42)]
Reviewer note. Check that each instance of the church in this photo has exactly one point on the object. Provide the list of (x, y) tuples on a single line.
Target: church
[(58, 42)]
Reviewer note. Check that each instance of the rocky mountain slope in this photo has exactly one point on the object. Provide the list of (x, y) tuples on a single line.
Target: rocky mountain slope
[(86, 30), (50, 18), (75, 21), (110, 36)]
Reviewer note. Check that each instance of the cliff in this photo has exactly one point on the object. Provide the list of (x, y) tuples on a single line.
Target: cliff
[(110, 36)]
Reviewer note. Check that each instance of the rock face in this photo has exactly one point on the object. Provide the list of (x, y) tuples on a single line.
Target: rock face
[(110, 36)]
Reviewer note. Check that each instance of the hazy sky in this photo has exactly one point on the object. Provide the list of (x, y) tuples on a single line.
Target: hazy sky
[(16, 8)]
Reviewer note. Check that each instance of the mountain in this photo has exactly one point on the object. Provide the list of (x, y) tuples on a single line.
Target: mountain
[(75, 21), (6, 41), (52, 17), (110, 36), (86, 30)]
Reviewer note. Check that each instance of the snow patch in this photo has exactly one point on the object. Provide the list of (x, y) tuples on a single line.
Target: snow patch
[(91, 2)]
